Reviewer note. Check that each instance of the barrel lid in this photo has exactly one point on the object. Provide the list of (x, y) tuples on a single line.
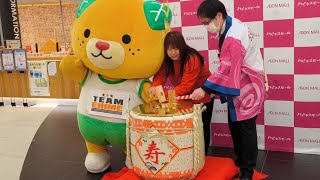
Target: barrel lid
[(156, 109)]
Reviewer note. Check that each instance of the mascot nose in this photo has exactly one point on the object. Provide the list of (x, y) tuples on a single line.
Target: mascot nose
[(102, 45)]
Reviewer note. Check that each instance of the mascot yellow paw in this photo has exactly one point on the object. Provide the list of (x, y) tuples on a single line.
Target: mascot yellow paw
[(73, 68)]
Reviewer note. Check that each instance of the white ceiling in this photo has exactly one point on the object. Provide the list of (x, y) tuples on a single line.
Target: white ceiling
[(46, 1)]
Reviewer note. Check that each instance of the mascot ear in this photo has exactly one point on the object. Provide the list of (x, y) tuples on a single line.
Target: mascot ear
[(83, 6), (157, 14)]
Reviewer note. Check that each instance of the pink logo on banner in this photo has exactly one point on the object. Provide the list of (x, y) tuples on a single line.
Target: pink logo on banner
[(175, 14), (220, 111), (279, 33), (307, 114), (309, 32), (215, 62), (279, 138), (205, 56), (281, 87), (189, 13), (278, 5), (306, 8), (248, 10), (212, 41), (179, 29), (309, 141), (220, 135), (307, 60)]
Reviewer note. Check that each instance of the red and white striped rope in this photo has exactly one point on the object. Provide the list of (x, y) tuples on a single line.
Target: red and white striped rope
[(188, 110), (184, 97)]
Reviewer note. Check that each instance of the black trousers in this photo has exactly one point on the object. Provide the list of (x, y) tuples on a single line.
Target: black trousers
[(206, 120), (244, 136)]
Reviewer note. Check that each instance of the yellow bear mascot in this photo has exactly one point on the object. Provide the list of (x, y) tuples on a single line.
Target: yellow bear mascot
[(118, 44)]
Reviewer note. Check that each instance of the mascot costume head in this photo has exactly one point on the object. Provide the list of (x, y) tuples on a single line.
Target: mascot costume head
[(118, 44)]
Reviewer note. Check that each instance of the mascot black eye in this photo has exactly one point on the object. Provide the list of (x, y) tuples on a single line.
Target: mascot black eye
[(126, 39), (87, 33)]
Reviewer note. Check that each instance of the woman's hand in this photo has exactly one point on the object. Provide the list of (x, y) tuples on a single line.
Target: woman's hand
[(198, 94)]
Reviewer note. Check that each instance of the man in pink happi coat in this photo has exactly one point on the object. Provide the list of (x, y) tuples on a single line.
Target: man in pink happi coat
[(239, 81)]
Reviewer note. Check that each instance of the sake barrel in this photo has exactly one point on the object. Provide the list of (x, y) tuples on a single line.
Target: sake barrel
[(167, 146)]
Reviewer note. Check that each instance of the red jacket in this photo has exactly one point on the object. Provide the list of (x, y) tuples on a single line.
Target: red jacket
[(193, 77)]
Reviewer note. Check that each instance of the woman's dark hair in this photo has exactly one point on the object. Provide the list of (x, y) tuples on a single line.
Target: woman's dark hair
[(175, 39), (210, 8)]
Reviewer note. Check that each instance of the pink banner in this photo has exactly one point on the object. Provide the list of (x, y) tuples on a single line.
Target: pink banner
[(288, 35)]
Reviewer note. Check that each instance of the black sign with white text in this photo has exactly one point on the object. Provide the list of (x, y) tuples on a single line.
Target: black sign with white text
[(10, 20)]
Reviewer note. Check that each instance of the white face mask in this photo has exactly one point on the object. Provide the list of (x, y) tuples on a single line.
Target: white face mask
[(213, 28)]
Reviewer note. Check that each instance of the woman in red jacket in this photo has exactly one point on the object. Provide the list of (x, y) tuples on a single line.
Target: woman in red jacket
[(185, 68)]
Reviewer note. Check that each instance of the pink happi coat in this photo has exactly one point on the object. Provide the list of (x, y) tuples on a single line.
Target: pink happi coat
[(239, 79)]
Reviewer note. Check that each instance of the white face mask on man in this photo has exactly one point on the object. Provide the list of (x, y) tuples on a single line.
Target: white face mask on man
[(211, 27)]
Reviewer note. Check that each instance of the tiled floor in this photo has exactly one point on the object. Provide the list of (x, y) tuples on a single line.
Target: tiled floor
[(17, 129), (58, 151)]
